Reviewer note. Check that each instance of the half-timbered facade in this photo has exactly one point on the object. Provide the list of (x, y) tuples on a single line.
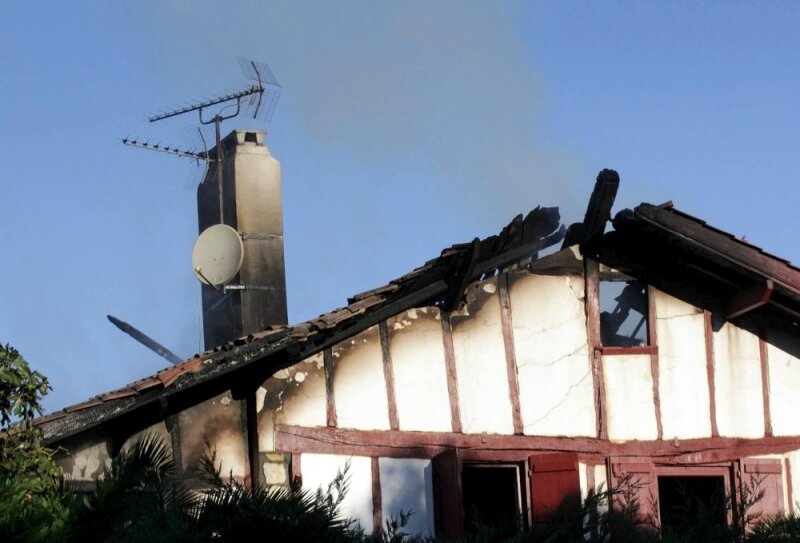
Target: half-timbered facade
[(662, 348)]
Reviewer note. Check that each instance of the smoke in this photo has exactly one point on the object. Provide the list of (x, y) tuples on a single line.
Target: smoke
[(449, 85)]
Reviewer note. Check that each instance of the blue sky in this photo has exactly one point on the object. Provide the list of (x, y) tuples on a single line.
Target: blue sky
[(403, 128)]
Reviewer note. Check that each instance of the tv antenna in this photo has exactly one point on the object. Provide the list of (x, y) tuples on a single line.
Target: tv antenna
[(259, 99)]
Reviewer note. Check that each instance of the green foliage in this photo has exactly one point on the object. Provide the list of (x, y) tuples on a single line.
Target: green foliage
[(139, 498), (30, 482)]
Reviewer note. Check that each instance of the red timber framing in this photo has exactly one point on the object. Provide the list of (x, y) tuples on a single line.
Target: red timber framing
[(553, 471), (710, 365), (652, 339), (743, 480), (787, 466), (592, 274), (452, 378), (516, 448), (327, 357), (447, 505), (377, 499), (388, 375), (511, 357), (763, 475), (762, 351), (555, 484)]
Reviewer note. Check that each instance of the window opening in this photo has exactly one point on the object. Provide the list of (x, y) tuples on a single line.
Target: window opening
[(691, 502), (491, 497), (623, 313)]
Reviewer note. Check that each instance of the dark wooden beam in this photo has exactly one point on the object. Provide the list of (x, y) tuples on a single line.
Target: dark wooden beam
[(749, 299), (377, 499), (764, 356), (452, 378), (459, 278), (388, 376), (394, 444), (720, 245), (511, 357), (708, 327), (598, 211), (327, 357), (655, 372)]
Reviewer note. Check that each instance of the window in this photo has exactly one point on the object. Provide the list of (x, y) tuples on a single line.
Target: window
[(669, 496), (686, 500), (502, 494), (491, 497), (623, 312)]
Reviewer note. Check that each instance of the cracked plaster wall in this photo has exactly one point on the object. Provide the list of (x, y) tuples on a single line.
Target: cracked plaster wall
[(420, 377), (359, 386), (481, 362), (550, 342), (784, 391), (737, 383), (683, 378), (629, 398)]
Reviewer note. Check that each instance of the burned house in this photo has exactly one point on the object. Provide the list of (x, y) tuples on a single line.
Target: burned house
[(656, 347)]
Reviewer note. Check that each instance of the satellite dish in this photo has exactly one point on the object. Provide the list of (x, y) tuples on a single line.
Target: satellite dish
[(217, 255)]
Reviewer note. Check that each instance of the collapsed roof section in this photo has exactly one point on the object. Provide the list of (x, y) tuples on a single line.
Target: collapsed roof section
[(238, 364), (673, 251)]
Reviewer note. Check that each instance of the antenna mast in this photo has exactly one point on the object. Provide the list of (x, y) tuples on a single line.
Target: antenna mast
[(262, 97)]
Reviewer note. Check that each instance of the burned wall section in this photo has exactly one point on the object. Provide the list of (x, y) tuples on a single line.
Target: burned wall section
[(359, 384), (481, 362), (217, 426), (84, 457)]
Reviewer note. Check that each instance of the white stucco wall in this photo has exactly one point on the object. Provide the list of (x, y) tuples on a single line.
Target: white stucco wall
[(319, 470), (481, 363), (629, 398), (303, 402), (553, 368), (737, 383), (420, 374), (784, 391), (407, 485), (683, 377), (359, 386)]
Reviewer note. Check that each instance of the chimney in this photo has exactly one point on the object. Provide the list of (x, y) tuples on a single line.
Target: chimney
[(252, 206)]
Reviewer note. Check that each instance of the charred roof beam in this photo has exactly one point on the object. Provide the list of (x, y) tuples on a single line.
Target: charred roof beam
[(598, 211)]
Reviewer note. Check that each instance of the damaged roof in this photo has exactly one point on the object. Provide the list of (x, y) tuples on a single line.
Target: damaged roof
[(439, 282), (667, 248)]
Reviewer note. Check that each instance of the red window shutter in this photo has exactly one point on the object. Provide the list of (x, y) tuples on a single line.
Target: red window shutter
[(447, 499), (763, 475), (637, 486), (555, 485)]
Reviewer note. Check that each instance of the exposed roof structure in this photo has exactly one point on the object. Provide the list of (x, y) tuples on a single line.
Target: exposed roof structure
[(439, 282), (669, 249)]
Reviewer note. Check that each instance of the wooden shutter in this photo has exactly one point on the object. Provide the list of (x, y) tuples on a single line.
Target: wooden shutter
[(768, 475), (447, 499), (555, 485), (637, 486)]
